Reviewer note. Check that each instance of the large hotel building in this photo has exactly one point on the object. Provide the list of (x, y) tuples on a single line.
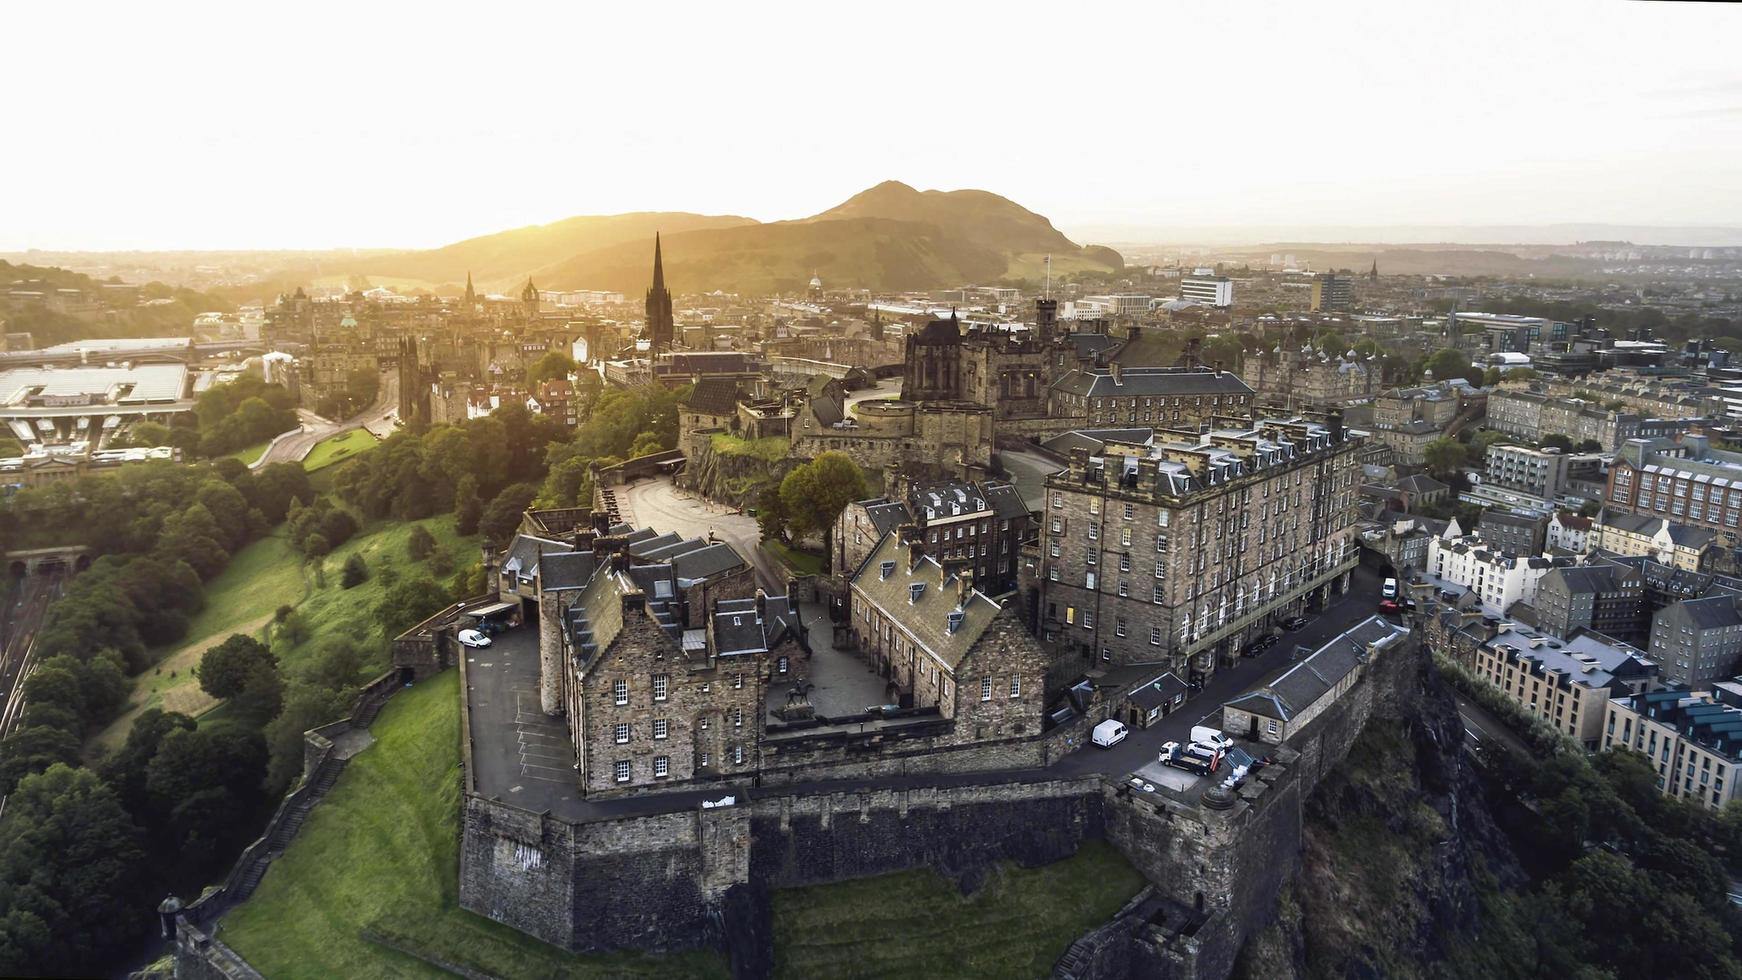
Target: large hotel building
[(1177, 546)]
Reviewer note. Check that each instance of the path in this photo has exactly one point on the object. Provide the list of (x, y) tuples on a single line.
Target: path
[(179, 693), (378, 419)]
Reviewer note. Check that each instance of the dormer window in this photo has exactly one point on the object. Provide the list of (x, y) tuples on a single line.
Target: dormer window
[(886, 569), (955, 620), (914, 591)]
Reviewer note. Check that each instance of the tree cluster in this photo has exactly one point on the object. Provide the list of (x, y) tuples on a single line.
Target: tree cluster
[(238, 414), (810, 498), (320, 527)]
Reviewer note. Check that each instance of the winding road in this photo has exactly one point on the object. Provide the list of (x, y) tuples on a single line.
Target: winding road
[(379, 418)]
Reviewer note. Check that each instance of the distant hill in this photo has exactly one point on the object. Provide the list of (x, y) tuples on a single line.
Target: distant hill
[(888, 237), (507, 257)]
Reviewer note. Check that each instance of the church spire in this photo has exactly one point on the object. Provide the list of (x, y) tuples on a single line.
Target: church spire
[(658, 265), (660, 329), (471, 294)]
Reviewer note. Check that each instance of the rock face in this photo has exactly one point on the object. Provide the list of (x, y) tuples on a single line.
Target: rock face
[(1394, 844), (730, 479)]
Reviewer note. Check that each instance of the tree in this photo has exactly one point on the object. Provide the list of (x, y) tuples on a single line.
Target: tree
[(276, 485), (224, 670), (468, 509), (408, 603), (503, 514), (336, 666), (1447, 363), (307, 707), (32, 750), (554, 364), (355, 573), (227, 758), (70, 875), (814, 494), (1558, 440), (1444, 455), (262, 694), (771, 514), (125, 770), (420, 544)]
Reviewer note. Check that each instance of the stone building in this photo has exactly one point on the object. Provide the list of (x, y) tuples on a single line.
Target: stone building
[(1160, 396), (1693, 549), (1312, 379), (651, 704), (1567, 683), (1514, 534), (977, 527), (1693, 741), (1605, 597), (943, 644), (1698, 641), (1270, 714), (1176, 547)]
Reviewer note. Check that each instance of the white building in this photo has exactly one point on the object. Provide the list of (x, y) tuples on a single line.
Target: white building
[(1209, 289), (1570, 533), (1499, 580)]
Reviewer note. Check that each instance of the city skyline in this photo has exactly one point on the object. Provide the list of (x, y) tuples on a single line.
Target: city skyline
[(346, 130)]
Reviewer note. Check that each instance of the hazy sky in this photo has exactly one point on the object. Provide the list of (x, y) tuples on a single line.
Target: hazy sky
[(134, 125)]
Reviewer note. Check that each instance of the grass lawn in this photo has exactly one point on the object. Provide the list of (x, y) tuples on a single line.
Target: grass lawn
[(332, 611), (771, 450), (252, 453), (380, 857), (917, 924), (338, 448), (241, 599), (802, 562)]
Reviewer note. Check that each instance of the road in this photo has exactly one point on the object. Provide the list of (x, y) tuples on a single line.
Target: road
[(1480, 726), (1142, 746), (378, 418), (657, 503), (23, 618), (886, 388)]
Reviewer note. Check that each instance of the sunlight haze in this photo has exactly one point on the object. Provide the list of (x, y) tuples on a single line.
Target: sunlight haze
[(401, 125)]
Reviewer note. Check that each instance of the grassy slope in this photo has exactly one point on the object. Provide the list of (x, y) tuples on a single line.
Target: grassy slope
[(772, 449), (917, 924), (252, 453), (241, 599), (381, 854), (339, 447)]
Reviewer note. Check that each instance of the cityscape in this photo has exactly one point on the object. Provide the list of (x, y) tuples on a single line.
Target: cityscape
[(880, 544)]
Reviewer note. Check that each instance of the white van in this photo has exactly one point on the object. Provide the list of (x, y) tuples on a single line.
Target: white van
[(1389, 589), (1205, 735), (1109, 733)]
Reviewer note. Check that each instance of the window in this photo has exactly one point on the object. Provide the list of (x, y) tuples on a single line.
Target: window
[(737, 680), (986, 688), (737, 717), (1125, 537), (1161, 518), (1155, 635), (781, 665), (703, 724), (661, 766), (1058, 500), (620, 691), (702, 760), (661, 684), (622, 768), (1119, 626), (661, 728), (1094, 531), (737, 755), (1015, 686), (621, 734), (1058, 525), (1088, 620), (1125, 563), (1130, 512)]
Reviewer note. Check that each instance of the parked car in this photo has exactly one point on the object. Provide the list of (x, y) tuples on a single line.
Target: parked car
[(1295, 622), (1213, 737), (473, 638), (1389, 589), (491, 627), (1109, 733), (1389, 606)]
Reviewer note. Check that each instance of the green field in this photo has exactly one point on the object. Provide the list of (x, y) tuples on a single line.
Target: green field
[(338, 448), (918, 924), (379, 860), (771, 450), (242, 598), (252, 453), (332, 611), (802, 562)]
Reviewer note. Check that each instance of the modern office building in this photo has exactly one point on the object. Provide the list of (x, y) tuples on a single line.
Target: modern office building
[(1212, 290)]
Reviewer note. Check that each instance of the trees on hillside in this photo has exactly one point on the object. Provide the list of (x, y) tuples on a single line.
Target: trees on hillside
[(814, 494)]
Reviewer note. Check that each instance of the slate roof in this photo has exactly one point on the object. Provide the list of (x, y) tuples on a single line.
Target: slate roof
[(1421, 483), (1589, 658), (1711, 612), (1006, 500), (739, 631), (1306, 682), (1094, 439), (884, 514), (707, 562), (1157, 693), (1685, 536), (714, 396), (568, 570), (642, 546), (926, 618), (523, 553)]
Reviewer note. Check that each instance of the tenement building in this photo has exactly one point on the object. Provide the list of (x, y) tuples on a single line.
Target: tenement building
[(1164, 396), (1693, 742), (1177, 546), (1567, 683), (977, 527)]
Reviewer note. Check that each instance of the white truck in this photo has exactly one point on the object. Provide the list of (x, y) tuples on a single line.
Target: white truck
[(1205, 735), (1196, 758)]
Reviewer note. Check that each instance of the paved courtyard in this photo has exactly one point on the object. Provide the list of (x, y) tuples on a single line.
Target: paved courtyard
[(841, 682)]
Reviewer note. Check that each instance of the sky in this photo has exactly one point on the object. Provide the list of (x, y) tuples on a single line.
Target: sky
[(385, 124)]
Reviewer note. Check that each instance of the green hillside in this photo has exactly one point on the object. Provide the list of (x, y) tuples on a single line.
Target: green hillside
[(162, 311), (502, 261), (888, 237)]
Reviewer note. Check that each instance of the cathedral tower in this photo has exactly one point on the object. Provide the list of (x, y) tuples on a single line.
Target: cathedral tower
[(659, 328)]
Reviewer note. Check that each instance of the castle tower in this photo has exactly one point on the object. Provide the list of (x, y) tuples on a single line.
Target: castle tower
[(1046, 321), (660, 329)]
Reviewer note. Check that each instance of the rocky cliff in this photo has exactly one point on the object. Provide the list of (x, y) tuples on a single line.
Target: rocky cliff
[(1398, 847)]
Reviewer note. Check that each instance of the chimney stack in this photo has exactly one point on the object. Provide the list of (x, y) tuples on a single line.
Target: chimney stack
[(761, 605)]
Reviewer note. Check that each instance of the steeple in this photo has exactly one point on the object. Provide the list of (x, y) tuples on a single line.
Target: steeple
[(471, 295), (529, 297), (660, 327)]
